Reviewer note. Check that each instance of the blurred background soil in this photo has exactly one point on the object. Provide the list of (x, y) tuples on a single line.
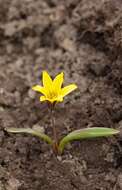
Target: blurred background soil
[(83, 38)]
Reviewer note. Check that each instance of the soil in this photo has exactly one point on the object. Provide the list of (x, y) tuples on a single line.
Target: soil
[(83, 38)]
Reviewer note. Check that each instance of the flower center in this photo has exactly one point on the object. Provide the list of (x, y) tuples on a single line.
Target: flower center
[(52, 94)]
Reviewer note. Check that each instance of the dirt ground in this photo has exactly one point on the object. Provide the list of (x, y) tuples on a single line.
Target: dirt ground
[(83, 38)]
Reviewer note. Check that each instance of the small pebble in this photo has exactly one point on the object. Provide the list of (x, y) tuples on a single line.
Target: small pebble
[(1, 109), (120, 181), (59, 158), (31, 93), (13, 184)]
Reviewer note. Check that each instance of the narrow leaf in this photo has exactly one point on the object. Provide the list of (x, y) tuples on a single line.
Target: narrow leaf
[(32, 132), (85, 134)]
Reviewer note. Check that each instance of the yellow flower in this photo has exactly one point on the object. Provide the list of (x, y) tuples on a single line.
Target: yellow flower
[(52, 89)]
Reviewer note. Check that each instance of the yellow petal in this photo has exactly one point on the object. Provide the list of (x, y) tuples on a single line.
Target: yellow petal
[(47, 81), (51, 100), (39, 89), (59, 99), (42, 98), (57, 82), (66, 90)]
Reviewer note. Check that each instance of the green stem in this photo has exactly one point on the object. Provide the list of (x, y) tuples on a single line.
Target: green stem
[(55, 143)]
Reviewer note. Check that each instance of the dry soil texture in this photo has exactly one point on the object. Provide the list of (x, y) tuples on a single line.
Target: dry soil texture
[(83, 38)]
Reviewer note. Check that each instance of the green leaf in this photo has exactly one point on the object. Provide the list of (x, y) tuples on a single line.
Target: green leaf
[(85, 134), (32, 132)]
